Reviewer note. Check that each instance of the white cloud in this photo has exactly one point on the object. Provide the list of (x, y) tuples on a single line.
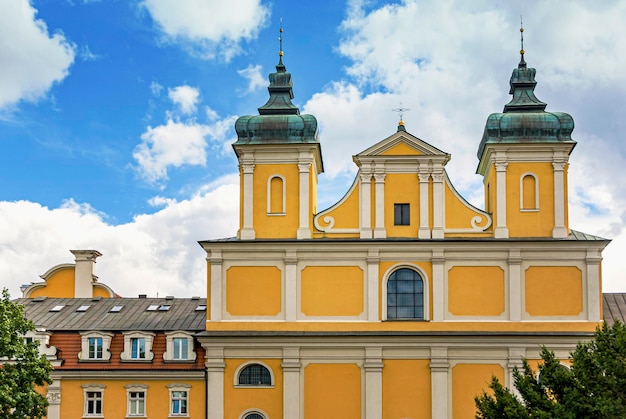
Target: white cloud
[(155, 253), (86, 55), (255, 77), (156, 88), (173, 144), (185, 97), (32, 59), (210, 27)]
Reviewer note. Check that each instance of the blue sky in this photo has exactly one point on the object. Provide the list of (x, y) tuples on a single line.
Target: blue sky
[(116, 117)]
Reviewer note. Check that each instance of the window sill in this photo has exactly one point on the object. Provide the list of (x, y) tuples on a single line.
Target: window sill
[(179, 361)]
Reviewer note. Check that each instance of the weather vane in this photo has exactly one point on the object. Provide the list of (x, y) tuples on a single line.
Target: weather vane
[(401, 111)]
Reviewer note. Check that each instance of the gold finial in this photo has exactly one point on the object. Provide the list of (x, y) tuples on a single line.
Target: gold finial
[(401, 111), (280, 38), (521, 34)]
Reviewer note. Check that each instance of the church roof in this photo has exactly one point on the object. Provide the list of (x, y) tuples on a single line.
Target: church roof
[(279, 120), (614, 307), (524, 119)]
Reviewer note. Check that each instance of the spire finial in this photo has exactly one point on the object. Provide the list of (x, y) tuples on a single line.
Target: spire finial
[(280, 42), (522, 63), (401, 111)]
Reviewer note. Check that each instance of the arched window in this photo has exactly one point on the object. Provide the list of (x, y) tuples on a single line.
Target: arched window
[(529, 192), (276, 195), (255, 375), (254, 415), (405, 295)]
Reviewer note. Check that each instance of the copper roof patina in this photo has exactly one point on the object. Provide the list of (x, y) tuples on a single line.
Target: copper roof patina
[(524, 119), (279, 121)]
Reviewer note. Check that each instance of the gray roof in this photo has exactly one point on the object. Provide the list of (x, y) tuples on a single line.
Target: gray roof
[(614, 307), (183, 314)]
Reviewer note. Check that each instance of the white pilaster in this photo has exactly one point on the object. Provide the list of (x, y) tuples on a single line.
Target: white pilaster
[(291, 296), (502, 231), (247, 229), (593, 260), (438, 302), (373, 383), (215, 259), (304, 230), (439, 373), (559, 231), (215, 382), (424, 229), (53, 396), (373, 259), (291, 382), (379, 229), (515, 285), (84, 277), (514, 361), (438, 204), (364, 205)]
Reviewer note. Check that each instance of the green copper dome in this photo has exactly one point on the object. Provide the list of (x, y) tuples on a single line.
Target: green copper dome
[(279, 121), (524, 119)]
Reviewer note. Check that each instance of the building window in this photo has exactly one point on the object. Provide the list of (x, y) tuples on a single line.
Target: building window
[(94, 397), (405, 295), (179, 399), (136, 395), (137, 347), (95, 346), (401, 214), (179, 347), (254, 375), (254, 415)]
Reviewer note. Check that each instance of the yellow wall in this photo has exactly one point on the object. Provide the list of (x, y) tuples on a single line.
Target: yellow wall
[(332, 391), (253, 290), (346, 215), (332, 291), (402, 188), (544, 283), (401, 149), (115, 403), (458, 214), (275, 226), (59, 285), (468, 381), (476, 291), (240, 399), (530, 223), (406, 389)]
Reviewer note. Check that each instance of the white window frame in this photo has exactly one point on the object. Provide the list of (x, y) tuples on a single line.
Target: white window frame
[(426, 285), (93, 388), (83, 355), (136, 388), (178, 387), (269, 195), (247, 364), (521, 192), (170, 353), (149, 339), (251, 411)]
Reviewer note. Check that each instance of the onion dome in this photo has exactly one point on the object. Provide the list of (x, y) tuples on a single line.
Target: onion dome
[(279, 121), (524, 119)]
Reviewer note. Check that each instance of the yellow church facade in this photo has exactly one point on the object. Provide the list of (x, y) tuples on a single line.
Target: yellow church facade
[(402, 299)]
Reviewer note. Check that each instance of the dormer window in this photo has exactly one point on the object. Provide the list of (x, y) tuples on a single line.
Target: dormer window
[(137, 347), (95, 346), (179, 347)]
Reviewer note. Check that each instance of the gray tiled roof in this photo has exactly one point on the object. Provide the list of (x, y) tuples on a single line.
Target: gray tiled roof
[(182, 315), (614, 307)]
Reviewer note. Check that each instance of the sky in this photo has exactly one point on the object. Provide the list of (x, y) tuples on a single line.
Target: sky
[(117, 116)]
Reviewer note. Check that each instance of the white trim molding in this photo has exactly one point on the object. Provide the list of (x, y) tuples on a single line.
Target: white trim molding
[(283, 210), (521, 192), (425, 283)]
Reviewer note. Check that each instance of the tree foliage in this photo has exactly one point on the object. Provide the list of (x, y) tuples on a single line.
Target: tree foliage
[(594, 386), (21, 366)]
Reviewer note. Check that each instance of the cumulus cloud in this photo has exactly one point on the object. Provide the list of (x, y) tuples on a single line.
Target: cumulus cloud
[(255, 77), (33, 60), (209, 28), (155, 253), (185, 97)]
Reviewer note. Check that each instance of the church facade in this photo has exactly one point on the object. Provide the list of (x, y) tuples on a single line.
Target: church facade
[(402, 300)]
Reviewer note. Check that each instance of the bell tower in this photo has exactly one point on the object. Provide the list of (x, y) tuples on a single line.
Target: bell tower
[(279, 159), (523, 158)]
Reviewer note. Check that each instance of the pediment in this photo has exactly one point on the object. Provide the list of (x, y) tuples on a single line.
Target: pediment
[(401, 143)]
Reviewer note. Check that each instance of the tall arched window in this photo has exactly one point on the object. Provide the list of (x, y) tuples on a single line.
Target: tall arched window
[(255, 375), (405, 295), (254, 415), (529, 192), (276, 195)]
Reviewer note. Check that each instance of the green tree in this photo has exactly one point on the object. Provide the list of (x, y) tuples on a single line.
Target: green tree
[(21, 366), (594, 386)]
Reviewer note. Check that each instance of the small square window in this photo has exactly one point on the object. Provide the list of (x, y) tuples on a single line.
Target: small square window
[(136, 403), (401, 214), (164, 307), (93, 403), (116, 309), (201, 307), (57, 308), (153, 307), (83, 308)]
